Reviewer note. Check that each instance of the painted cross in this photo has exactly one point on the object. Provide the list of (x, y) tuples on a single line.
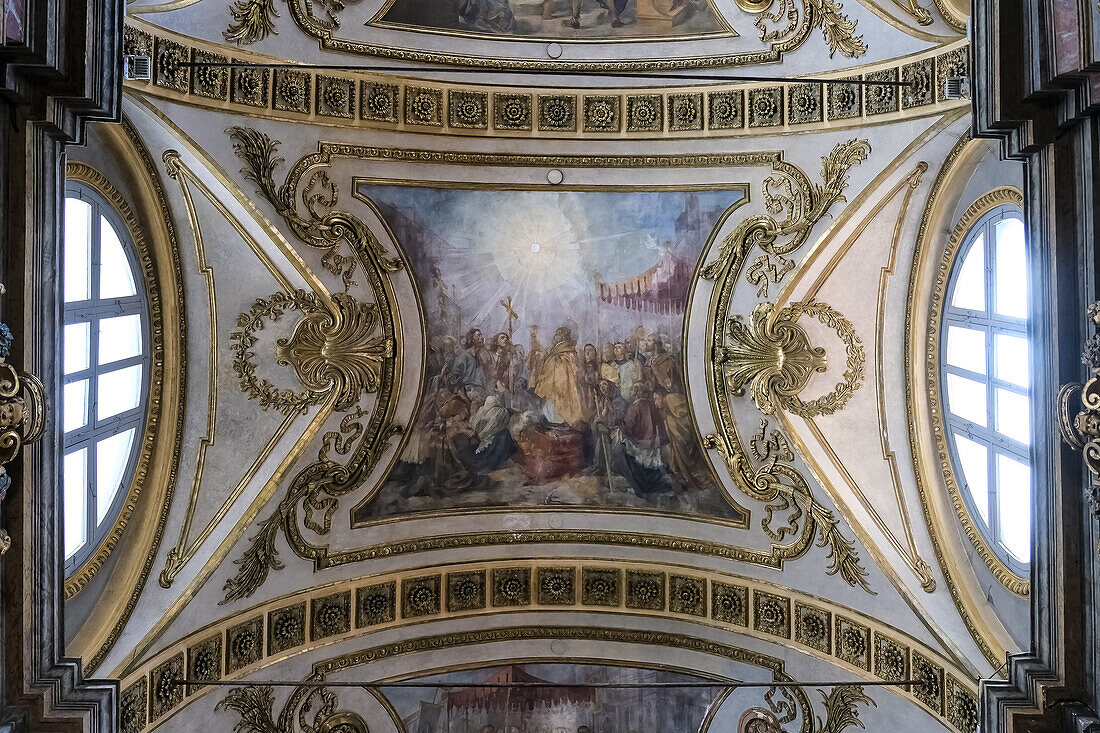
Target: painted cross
[(512, 315)]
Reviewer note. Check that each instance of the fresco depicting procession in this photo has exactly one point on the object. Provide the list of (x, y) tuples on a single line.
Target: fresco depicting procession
[(554, 374), (564, 19), (463, 707)]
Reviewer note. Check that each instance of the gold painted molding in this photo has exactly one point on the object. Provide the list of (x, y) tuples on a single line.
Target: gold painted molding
[(376, 101), (151, 227), (984, 203), (962, 594), (412, 599)]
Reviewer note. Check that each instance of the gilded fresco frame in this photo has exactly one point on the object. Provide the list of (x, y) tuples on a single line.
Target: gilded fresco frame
[(743, 189)]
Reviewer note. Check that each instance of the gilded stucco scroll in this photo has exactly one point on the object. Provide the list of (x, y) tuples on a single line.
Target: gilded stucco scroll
[(774, 358), (340, 349)]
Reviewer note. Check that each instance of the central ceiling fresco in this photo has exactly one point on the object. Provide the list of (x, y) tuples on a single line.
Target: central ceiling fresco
[(556, 373)]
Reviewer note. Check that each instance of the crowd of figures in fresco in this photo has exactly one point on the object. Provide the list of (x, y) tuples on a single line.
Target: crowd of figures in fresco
[(559, 18), (584, 708), (615, 410), (554, 369)]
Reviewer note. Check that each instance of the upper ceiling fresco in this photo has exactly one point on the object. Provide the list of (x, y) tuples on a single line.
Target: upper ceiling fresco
[(569, 20), (553, 35)]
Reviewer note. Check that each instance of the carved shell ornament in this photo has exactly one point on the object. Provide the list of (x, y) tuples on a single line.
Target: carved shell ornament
[(336, 347), (340, 349), (772, 356)]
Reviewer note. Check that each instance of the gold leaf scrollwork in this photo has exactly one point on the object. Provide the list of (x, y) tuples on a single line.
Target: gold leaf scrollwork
[(255, 706), (773, 355), (339, 349), (252, 21), (773, 358), (1080, 427), (22, 420), (842, 708), (838, 28)]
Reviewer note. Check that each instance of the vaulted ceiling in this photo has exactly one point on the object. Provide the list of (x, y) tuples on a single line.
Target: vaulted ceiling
[(742, 479)]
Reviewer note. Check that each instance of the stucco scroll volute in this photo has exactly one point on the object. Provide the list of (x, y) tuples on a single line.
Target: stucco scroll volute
[(21, 418), (1079, 413)]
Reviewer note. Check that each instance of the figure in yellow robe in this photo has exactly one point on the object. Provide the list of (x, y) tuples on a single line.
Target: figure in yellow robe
[(556, 381)]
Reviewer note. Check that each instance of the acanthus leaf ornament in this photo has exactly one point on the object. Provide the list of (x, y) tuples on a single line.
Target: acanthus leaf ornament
[(332, 348), (773, 357), (838, 28), (251, 21), (255, 706)]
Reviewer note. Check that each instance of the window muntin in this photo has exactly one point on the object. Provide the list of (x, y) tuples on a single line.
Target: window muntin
[(985, 370), (105, 369)]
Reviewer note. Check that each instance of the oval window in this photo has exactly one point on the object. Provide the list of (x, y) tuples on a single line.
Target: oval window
[(985, 372), (104, 367)]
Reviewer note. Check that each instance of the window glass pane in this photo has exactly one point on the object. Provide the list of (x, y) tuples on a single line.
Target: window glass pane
[(111, 456), (974, 460), (119, 391), (1013, 418), (966, 348), (119, 338), (75, 404), (1011, 358), (970, 281), (1014, 500), (78, 255), (75, 493), (116, 279), (1011, 269), (966, 398), (76, 347)]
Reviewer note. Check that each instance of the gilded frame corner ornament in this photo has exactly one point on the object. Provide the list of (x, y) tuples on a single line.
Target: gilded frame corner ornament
[(774, 357), (982, 205)]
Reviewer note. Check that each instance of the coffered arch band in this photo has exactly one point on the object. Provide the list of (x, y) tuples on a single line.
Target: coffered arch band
[(654, 597)]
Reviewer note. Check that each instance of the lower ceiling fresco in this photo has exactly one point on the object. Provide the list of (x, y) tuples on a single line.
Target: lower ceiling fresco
[(521, 434)]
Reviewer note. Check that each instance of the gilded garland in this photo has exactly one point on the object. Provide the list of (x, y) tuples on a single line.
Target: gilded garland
[(340, 349), (773, 358)]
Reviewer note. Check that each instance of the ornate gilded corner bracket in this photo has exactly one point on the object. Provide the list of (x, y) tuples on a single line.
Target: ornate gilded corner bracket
[(253, 20), (796, 18), (772, 358), (1080, 426), (255, 705), (22, 418), (340, 349)]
